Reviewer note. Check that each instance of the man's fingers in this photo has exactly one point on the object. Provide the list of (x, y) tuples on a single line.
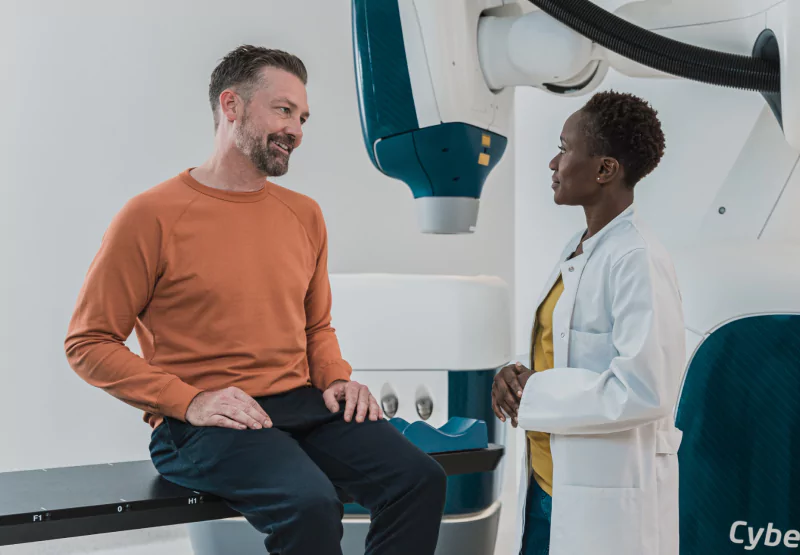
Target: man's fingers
[(249, 401), (225, 422), (260, 412), (255, 417), (259, 416), (252, 407), (238, 415), (351, 400), (363, 403), (241, 415), (375, 412), (330, 400), (339, 390)]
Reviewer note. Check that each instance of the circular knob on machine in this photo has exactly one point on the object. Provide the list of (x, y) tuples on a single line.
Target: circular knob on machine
[(424, 402), (424, 407), (389, 401)]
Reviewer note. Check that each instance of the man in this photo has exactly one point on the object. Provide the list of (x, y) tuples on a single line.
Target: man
[(224, 276)]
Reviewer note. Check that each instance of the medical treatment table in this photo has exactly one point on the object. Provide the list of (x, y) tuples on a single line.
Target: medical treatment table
[(47, 504)]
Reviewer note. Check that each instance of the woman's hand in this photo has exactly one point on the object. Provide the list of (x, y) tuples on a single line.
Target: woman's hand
[(507, 390)]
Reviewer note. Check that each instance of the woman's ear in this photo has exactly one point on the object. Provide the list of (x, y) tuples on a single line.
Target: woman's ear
[(609, 169)]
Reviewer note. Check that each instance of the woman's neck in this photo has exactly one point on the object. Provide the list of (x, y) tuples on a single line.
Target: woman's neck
[(600, 215)]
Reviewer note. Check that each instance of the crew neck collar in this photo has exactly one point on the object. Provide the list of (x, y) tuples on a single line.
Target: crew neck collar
[(224, 194)]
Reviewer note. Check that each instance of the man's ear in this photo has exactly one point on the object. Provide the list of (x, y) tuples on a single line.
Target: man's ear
[(608, 170), (230, 105)]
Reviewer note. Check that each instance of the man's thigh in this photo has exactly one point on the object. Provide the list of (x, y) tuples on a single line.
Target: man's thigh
[(371, 461), (265, 467)]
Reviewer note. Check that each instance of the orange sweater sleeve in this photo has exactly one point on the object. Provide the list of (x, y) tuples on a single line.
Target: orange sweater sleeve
[(325, 361), (118, 286)]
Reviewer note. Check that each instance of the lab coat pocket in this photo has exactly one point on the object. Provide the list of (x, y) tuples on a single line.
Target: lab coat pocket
[(597, 521), (593, 351)]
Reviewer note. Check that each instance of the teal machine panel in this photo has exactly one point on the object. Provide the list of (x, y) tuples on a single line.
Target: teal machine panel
[(740, 457), (469, 395)]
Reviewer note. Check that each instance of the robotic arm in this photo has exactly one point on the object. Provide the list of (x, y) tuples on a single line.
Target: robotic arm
[(435, 77)]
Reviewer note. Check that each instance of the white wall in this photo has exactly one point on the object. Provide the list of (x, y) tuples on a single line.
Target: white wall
[(105, 99), (705, 129)]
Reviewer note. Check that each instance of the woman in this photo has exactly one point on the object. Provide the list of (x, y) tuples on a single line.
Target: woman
[(607, 356)]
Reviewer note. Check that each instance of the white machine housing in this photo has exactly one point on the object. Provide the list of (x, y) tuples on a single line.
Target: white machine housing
[(726, 281), (511, 47), (464, 57), (441, 44), (402, 334)]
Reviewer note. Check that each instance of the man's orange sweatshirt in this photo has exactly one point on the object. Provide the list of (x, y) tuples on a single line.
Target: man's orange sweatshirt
[(223, 289)]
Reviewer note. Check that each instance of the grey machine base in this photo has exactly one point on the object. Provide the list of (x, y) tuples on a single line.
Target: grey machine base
[(473, 534)]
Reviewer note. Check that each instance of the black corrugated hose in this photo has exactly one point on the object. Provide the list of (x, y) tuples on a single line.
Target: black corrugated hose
[(662, 53)]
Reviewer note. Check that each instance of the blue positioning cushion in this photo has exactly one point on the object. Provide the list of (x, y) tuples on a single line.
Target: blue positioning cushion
[(457, 434)]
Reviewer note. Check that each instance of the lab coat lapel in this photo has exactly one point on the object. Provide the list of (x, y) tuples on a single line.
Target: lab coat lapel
[(551, 281), (572, 272)]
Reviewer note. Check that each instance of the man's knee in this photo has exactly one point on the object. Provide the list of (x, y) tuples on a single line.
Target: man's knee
[(427, 477), (307, 520), (317, 505)]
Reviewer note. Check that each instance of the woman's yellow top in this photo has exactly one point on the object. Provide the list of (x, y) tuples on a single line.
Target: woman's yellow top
[(542, 348)]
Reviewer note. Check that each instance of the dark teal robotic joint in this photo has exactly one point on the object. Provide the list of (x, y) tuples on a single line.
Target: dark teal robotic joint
[(445, 160), (441, 159)]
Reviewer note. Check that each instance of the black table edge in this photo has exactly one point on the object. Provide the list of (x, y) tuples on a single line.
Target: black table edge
[(185, 508)]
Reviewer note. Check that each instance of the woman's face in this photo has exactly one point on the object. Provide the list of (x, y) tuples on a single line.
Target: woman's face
[(577, 176)]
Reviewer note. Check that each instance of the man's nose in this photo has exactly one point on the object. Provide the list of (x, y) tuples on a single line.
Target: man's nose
[(295, 131)]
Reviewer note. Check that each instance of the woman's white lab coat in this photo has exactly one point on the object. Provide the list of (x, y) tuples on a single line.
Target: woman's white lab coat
[(619, 353)]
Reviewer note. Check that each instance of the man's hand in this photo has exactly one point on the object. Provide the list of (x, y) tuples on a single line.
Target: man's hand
[(357, 398), (227, 408), (507, 390)]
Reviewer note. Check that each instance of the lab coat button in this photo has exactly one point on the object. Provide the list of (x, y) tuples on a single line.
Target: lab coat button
[(572, 268), (563, 335)]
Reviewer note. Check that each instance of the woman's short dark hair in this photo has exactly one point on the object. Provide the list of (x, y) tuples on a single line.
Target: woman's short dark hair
[(625, 127), (241, 68)]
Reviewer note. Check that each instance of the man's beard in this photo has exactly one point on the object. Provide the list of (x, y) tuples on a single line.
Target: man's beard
[(263, 157)]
